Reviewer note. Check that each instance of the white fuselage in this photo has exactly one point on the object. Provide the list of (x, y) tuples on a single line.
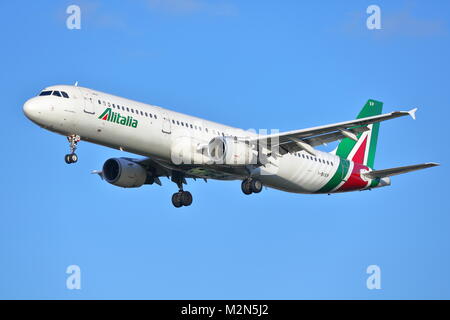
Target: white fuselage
[(159, 129)]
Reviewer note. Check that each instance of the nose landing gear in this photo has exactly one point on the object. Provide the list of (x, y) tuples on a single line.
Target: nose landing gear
[(73, 141)]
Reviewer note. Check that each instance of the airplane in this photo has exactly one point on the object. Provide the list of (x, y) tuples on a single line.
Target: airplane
[(180, 146)]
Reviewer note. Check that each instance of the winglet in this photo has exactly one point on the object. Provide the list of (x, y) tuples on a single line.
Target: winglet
[(433, 164), (412, 113)]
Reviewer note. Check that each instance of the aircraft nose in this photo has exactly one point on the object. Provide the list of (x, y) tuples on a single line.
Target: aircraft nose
[(31, 109)]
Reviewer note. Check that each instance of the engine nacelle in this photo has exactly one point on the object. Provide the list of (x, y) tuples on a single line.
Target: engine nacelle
[(124, 173), (231, 151)]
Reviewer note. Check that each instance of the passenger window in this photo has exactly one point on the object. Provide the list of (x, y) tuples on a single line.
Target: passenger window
[(45, 93), (191, 126), (56, 93), (99, 102), (128, 109), (156, 117), (132, 111), (146, 114)]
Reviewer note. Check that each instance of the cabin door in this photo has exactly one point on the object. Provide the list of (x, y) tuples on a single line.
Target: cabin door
[(166, 125)]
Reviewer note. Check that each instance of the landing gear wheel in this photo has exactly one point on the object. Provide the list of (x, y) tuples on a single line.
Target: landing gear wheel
[(256, 185), (176, 200), (186, 198), (71, 158), (182, 198), (246, 187)]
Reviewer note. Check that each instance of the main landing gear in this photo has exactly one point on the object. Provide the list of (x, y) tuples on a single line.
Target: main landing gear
[(181, 198), (73, 141), (250, 186)]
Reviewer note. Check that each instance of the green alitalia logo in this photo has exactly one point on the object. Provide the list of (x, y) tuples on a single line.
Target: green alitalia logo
[(111, 116)]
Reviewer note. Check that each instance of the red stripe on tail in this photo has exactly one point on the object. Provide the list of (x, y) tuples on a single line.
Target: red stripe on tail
[(361, 152)]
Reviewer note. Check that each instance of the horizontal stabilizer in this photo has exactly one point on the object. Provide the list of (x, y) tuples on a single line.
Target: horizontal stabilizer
[(400, 170)]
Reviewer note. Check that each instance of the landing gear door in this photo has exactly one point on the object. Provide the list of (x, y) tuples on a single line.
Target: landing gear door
[(88, 101), (166, 125)]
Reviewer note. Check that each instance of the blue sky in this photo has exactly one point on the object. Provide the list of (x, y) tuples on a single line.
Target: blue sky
[(251, 64)]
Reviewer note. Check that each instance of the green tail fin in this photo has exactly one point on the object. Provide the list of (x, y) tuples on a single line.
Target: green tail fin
[(363, 150)]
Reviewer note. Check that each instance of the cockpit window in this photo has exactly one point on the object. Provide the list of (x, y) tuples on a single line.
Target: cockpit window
[(56, 93), (64, 94), (45, 93)]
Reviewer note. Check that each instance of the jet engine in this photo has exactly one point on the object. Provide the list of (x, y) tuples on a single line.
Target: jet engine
[(124, 173), (231, 151)]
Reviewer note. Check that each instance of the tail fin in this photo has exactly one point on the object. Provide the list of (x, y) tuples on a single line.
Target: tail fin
[(363, 150)]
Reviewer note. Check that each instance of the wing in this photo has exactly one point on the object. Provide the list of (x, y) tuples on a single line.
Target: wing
[(306, 139), (399, 170), (160, 168), (157, 168)]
